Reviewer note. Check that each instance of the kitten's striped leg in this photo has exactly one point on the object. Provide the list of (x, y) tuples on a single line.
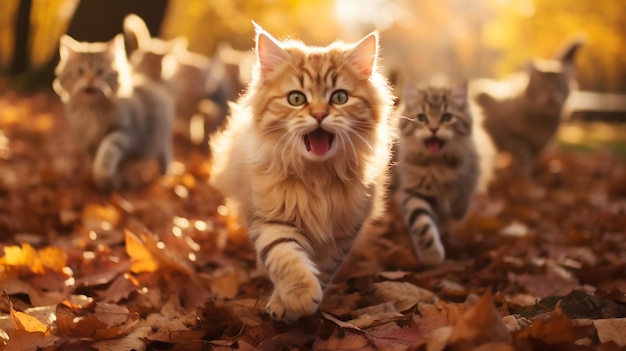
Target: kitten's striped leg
[(281, 249), (164, 159), (108, 156), (422, 226)]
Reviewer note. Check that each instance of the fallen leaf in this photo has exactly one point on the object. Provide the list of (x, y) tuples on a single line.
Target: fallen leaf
[(402, 294), (25, 322), (132, 341), (611, 329), (558, 330), (480, 324), (22, 340)]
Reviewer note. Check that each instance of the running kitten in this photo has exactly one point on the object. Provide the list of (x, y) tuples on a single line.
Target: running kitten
[(438, 166), (522, 114), (304, 160), (113, 114)]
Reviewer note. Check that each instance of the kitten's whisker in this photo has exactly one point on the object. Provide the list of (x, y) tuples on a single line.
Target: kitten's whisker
[(345, 135), (362, 139)]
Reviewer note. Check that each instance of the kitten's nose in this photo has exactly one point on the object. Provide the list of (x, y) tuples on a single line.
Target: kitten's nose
[(434, 129), (319, 116)]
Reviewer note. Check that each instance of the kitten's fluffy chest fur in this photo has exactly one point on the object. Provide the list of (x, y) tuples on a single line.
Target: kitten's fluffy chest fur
[(321, 204), (90, 121)]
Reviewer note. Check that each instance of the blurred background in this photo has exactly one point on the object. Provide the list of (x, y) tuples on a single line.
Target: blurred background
[(422, 39)]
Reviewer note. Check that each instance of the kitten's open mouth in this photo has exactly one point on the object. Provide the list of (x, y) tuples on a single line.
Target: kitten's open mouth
[(433, 145), (319, 141), (91, 91)]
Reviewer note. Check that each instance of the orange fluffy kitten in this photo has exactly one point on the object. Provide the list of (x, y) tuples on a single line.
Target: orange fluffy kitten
[(304, 161)]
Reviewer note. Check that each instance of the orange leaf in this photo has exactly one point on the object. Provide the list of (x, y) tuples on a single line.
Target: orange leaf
[(142, 259), (23, 321), (37, 262)]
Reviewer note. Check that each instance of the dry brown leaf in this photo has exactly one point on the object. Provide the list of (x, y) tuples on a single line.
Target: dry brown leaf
[(132, 341), (611, 329), (225, 281), (559, 329), (402, 294), (339, 323), (111, 314), (481, 324), (21, 340)]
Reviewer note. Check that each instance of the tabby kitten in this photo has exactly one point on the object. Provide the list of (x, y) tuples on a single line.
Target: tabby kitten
[(522, 114), (437, 164), (113, 114), (304, 161)]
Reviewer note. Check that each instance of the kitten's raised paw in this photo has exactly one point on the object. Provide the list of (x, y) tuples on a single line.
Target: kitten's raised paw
[(290, 304), (429, 248)]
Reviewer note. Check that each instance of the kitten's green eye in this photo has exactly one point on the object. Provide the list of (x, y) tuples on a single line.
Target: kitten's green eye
[(422, 117), (339, 97), (100, 71), (81, 71), (446, 117), (296, 98)]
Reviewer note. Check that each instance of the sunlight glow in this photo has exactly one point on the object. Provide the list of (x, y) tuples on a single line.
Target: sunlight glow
[(181, 191), (5, 150), (380, 13), (177, 168), (200, 225), (222, 210), (177, 231), (192, 244), (181, 222), (93, 235)]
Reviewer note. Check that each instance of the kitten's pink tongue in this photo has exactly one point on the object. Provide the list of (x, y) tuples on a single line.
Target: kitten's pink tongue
[(319, 140), (433, 145)]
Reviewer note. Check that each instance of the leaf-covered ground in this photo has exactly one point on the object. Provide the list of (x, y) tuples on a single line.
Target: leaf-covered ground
[(537, 265)]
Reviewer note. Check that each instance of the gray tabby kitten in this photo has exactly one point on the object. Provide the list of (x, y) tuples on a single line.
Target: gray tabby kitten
[(522, 114), (437, 167), (113, 114)]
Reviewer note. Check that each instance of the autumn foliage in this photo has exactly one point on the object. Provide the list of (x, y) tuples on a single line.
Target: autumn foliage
[(538, 264)]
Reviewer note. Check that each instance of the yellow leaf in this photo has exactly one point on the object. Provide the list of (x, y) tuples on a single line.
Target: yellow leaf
[(23, 321), (142, 259)]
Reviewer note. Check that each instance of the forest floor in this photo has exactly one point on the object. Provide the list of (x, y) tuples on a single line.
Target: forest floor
[(160, 265)]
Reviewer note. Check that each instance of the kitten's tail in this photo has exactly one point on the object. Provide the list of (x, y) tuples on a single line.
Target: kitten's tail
[(568, 52)]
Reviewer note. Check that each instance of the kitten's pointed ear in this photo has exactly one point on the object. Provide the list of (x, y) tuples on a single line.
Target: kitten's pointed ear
[(116, 45), (364, 54), (530, 67), (67, 47), (459, 93), (269, 52)]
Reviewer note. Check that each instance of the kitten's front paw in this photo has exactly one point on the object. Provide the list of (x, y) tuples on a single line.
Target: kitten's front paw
[(291, 301), (428, 246)]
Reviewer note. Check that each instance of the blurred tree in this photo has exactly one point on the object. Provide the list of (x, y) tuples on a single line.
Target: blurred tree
[(8, 10)]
